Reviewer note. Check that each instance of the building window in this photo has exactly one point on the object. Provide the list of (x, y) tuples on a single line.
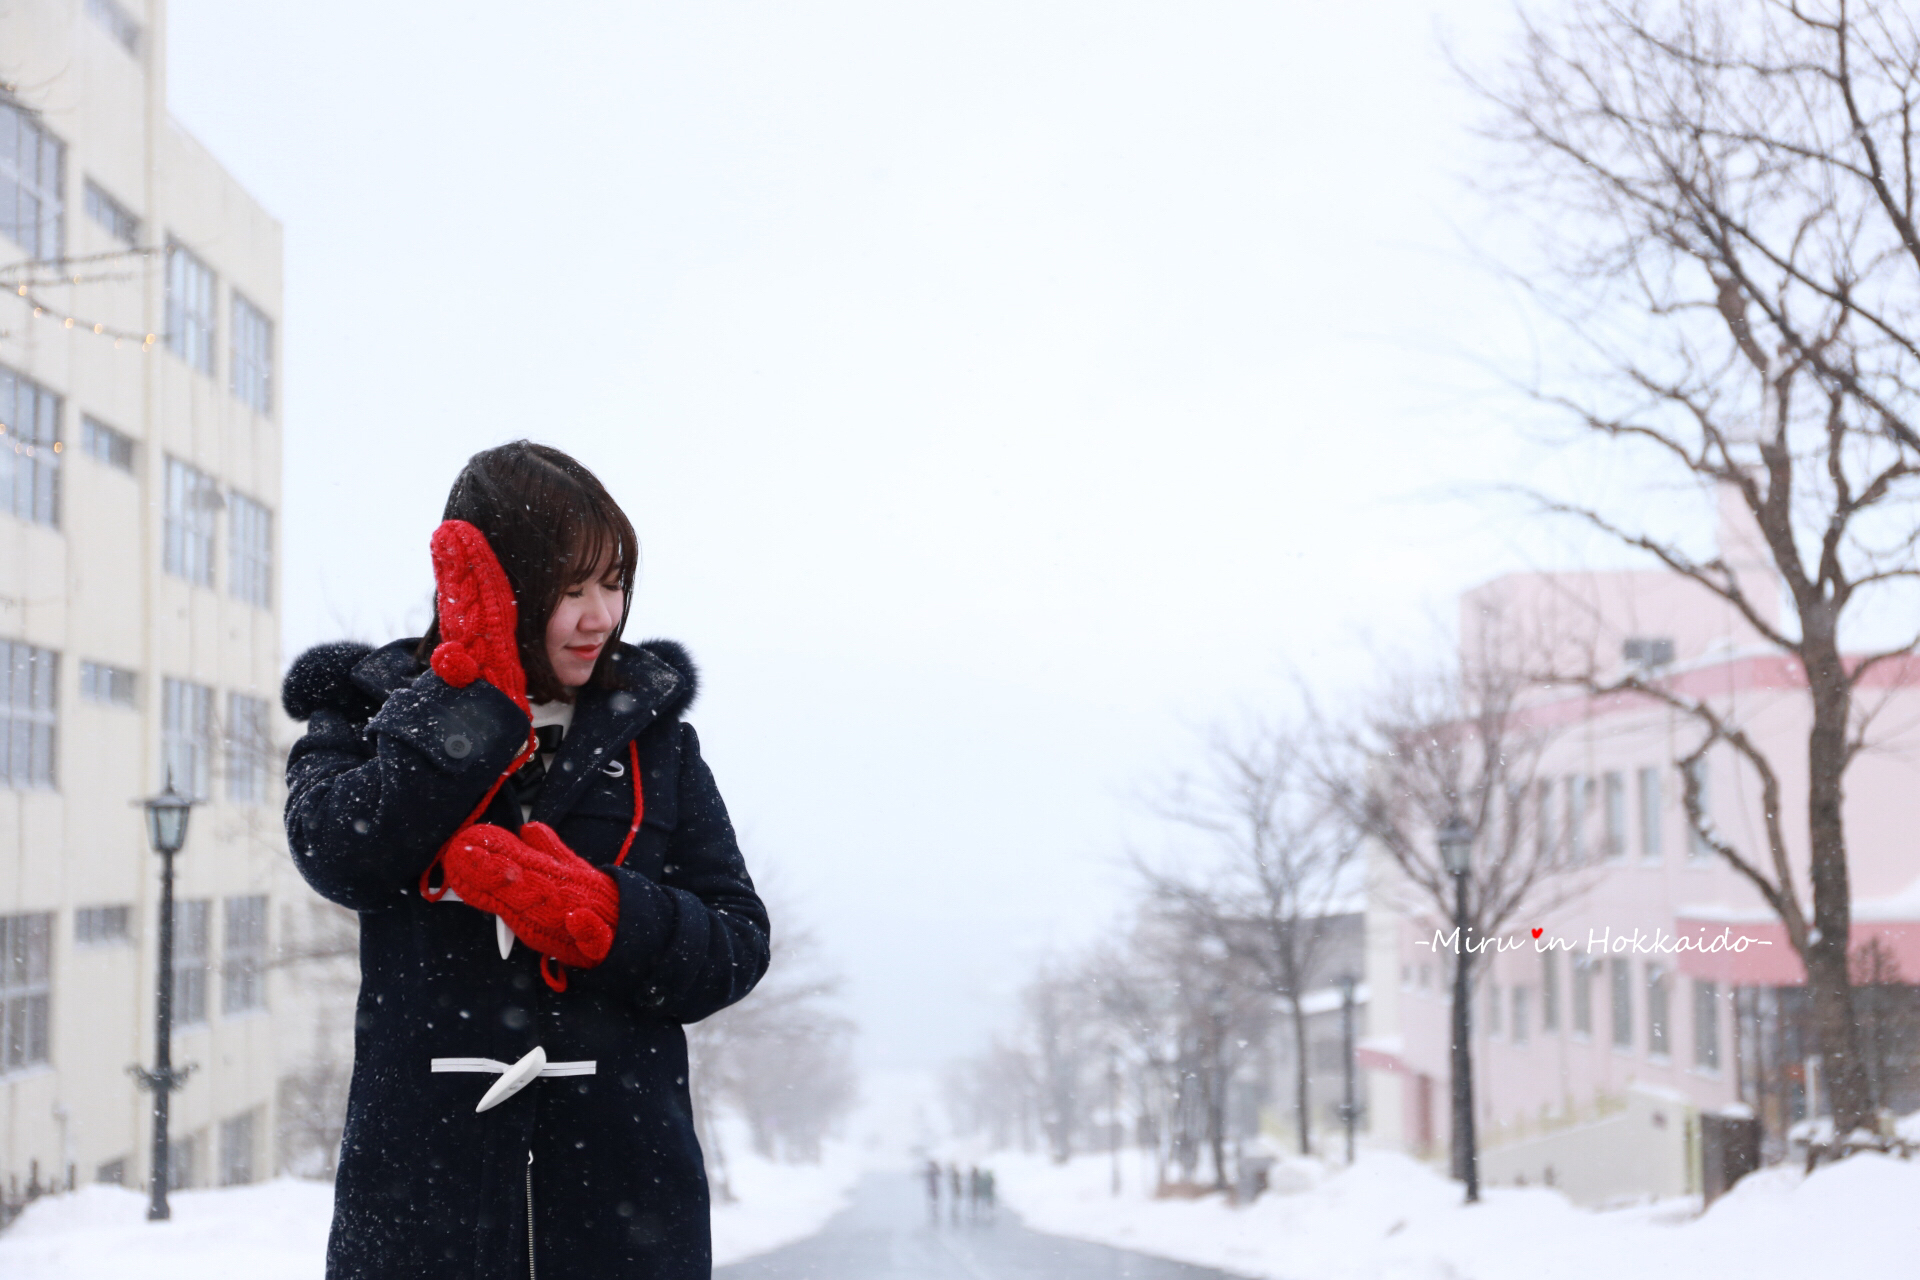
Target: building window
[(1622, 1004), (1492, 1008), (102, 683), (190, 294), (1583, 967), (1520, 1015), (190, 961), (1706, 1025), (101, 926), (1657, 987), (247, 720), (1614, 793), (236, 1150), (32, 167), (1549, 991), (26, 985), (1543, 820), (115, 218), (186, 737), (29, 448), (252, 356), (116, 22), (250, 571), (243, 971), (1649, 780), (1579, 801), (27, 714), (183, 1152), (1697, 847), (193, 503), (98, 440)]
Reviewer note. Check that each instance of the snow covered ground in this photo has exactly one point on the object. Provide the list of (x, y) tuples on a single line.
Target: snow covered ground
[(279, 1229), (1391, 1218)]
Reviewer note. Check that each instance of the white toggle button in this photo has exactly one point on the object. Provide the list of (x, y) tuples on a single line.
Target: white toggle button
[(503, 936), (514, 1079)]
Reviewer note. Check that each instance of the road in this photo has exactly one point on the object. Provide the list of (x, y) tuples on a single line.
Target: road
[(887, 1233)]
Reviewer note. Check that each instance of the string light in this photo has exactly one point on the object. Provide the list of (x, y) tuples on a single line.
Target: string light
[(41, 307)]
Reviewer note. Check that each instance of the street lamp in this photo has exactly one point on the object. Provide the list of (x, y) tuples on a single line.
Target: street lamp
[(167, 831), (1455, 839), (1349, 1108)]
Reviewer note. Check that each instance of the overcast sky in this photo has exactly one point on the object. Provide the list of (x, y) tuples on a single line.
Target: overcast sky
[(1003, 392)]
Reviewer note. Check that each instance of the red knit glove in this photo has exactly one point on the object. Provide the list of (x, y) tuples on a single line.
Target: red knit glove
[(478, 618), (553, 899)]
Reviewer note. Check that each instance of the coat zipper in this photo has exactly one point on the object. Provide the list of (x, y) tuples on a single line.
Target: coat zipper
[(533, 1272)]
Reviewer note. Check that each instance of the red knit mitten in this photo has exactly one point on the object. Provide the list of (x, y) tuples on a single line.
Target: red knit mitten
[(478, 617), (554, 900)]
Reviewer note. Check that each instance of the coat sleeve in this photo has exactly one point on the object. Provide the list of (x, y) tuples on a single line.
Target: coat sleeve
[(369, 807), (696, 941)]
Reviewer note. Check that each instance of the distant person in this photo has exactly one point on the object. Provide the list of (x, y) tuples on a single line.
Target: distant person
[(493, 771), (933, 1177), (953, 1176)]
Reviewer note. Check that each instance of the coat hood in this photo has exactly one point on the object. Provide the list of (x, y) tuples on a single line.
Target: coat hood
[(354, 679)]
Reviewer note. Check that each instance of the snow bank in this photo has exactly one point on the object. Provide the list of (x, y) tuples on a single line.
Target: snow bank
[(776, 1204), (279, 1229), (276, 1229), (1392, 1218)]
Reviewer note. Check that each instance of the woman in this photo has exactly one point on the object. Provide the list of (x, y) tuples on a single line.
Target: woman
[(548, 888)]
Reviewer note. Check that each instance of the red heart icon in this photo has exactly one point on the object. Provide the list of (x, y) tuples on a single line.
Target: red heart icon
[(1538, 932)]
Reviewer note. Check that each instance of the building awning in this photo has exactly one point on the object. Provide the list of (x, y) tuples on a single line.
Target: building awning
[(1748, 948)]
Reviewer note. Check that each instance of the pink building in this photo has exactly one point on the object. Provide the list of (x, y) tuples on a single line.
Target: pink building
[(1595, 1043)]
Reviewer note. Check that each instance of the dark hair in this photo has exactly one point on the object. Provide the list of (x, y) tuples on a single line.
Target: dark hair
[(549, 520)]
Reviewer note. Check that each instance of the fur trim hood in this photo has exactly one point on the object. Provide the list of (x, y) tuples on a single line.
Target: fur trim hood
[(354, 679)]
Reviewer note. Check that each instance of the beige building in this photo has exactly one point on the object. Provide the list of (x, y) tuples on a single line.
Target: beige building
[(140, 296)]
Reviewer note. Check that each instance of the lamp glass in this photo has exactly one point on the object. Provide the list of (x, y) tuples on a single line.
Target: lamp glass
[(1456, 844), (167, 821)]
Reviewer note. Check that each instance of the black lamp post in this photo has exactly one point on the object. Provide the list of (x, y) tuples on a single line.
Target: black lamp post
[(1456, 854), (167, 832)]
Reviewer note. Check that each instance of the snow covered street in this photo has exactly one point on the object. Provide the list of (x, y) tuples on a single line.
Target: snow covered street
[(278, 1229), (1391, 1218)]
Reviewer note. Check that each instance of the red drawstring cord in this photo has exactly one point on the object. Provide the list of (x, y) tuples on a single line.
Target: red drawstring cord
[(639, 802), (427, 890), (550, 969)]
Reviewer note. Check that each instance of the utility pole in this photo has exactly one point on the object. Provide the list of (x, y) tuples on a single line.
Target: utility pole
[(1349, 1109)]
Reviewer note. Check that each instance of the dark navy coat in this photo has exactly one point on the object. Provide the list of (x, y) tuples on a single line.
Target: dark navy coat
[(392, 761)]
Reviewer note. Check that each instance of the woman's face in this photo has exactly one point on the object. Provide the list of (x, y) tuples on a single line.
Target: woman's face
[(582, 621)]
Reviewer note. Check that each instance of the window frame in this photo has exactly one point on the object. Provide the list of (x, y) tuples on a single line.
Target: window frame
[(243, 955), (111, 214), (31, 483), (105, 684), (249, 550), (32, 721), (187, 738), (109, 445), (250, 362), (192, 960), (26, 991), (1620, 1002), (192, 307), (190, 522), (30, 184), (1706, 1025)]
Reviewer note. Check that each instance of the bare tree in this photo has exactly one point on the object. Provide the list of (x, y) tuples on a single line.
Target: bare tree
[(1452, 742), (782, 1058), (1725, 195), (1283, 867)]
